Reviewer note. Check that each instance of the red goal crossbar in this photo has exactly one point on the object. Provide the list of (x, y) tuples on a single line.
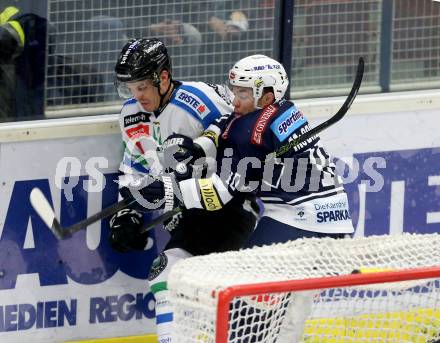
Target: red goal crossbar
[(225, 296)]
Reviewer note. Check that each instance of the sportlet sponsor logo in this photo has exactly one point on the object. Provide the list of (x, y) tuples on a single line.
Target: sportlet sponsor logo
[(284, 126)]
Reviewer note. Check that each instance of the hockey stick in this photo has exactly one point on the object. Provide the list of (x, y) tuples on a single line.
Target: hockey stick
[(337, 117), (159, 220), (44, 210)]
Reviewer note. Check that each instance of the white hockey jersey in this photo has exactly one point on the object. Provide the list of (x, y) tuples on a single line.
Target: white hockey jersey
[(193, 106)]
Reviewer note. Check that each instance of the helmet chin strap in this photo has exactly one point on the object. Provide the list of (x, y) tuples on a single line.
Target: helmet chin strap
[(256, 102), (162, 97), (258, 94)]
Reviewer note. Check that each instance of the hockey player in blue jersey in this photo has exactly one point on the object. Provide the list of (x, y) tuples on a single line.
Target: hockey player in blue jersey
[(302, 194), (159, 110)]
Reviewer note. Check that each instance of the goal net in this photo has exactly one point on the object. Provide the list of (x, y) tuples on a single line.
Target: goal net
[(370, 289)]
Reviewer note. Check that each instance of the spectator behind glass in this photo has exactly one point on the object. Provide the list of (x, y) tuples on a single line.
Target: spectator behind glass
[(22, 63), (232, 30), (226, 22), (91, 35), (81, 72), (224, 28), (171, 22), (261, 24)]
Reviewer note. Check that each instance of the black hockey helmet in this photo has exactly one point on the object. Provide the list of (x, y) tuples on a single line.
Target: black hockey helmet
[(141, 59)]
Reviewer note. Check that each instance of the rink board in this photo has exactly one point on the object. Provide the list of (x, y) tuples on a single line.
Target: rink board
[(406, 326), (131, 339), (75, 289), (80, 289)]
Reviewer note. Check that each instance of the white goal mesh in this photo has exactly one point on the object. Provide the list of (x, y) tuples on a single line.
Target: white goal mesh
[(336, 298)]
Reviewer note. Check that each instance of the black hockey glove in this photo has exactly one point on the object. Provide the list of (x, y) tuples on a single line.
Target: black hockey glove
[(154, 194), (124, 231), (179, 149)]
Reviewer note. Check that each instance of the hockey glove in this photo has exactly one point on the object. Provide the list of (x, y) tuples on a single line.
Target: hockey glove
[(124, 231), (154, 194), (177, 149)]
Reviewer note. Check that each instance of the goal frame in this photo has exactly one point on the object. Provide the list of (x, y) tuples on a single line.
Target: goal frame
[(226, 295)]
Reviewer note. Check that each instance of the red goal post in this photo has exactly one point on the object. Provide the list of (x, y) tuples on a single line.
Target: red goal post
[(365, 289), (226, 296)]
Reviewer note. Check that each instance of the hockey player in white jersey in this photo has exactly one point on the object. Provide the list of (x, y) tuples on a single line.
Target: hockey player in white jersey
[(159, 110)]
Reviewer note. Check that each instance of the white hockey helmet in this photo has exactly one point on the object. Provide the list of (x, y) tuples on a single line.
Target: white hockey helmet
[(258, 72)]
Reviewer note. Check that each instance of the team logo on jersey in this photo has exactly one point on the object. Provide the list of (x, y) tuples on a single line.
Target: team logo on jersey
[(192, 101), (286, 124), (159, 264), (300, 214), (136, 118)]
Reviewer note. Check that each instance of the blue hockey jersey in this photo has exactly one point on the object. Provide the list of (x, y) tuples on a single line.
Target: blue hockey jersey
[(299, 188)]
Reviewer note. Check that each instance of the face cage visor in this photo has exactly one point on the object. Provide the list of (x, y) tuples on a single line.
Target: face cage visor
[(126, 92), (244, 91)]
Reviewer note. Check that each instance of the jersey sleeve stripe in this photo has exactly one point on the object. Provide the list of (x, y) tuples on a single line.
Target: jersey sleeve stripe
[(207, 145), (215, 129), (190, 193), (317, 195), (221, 189), (130, 101)]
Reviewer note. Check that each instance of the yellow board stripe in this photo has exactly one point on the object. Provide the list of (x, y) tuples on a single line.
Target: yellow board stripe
[(410, 326), (129, 339)]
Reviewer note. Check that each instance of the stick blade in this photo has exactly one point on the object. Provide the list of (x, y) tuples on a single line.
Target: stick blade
[(44, 210)]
